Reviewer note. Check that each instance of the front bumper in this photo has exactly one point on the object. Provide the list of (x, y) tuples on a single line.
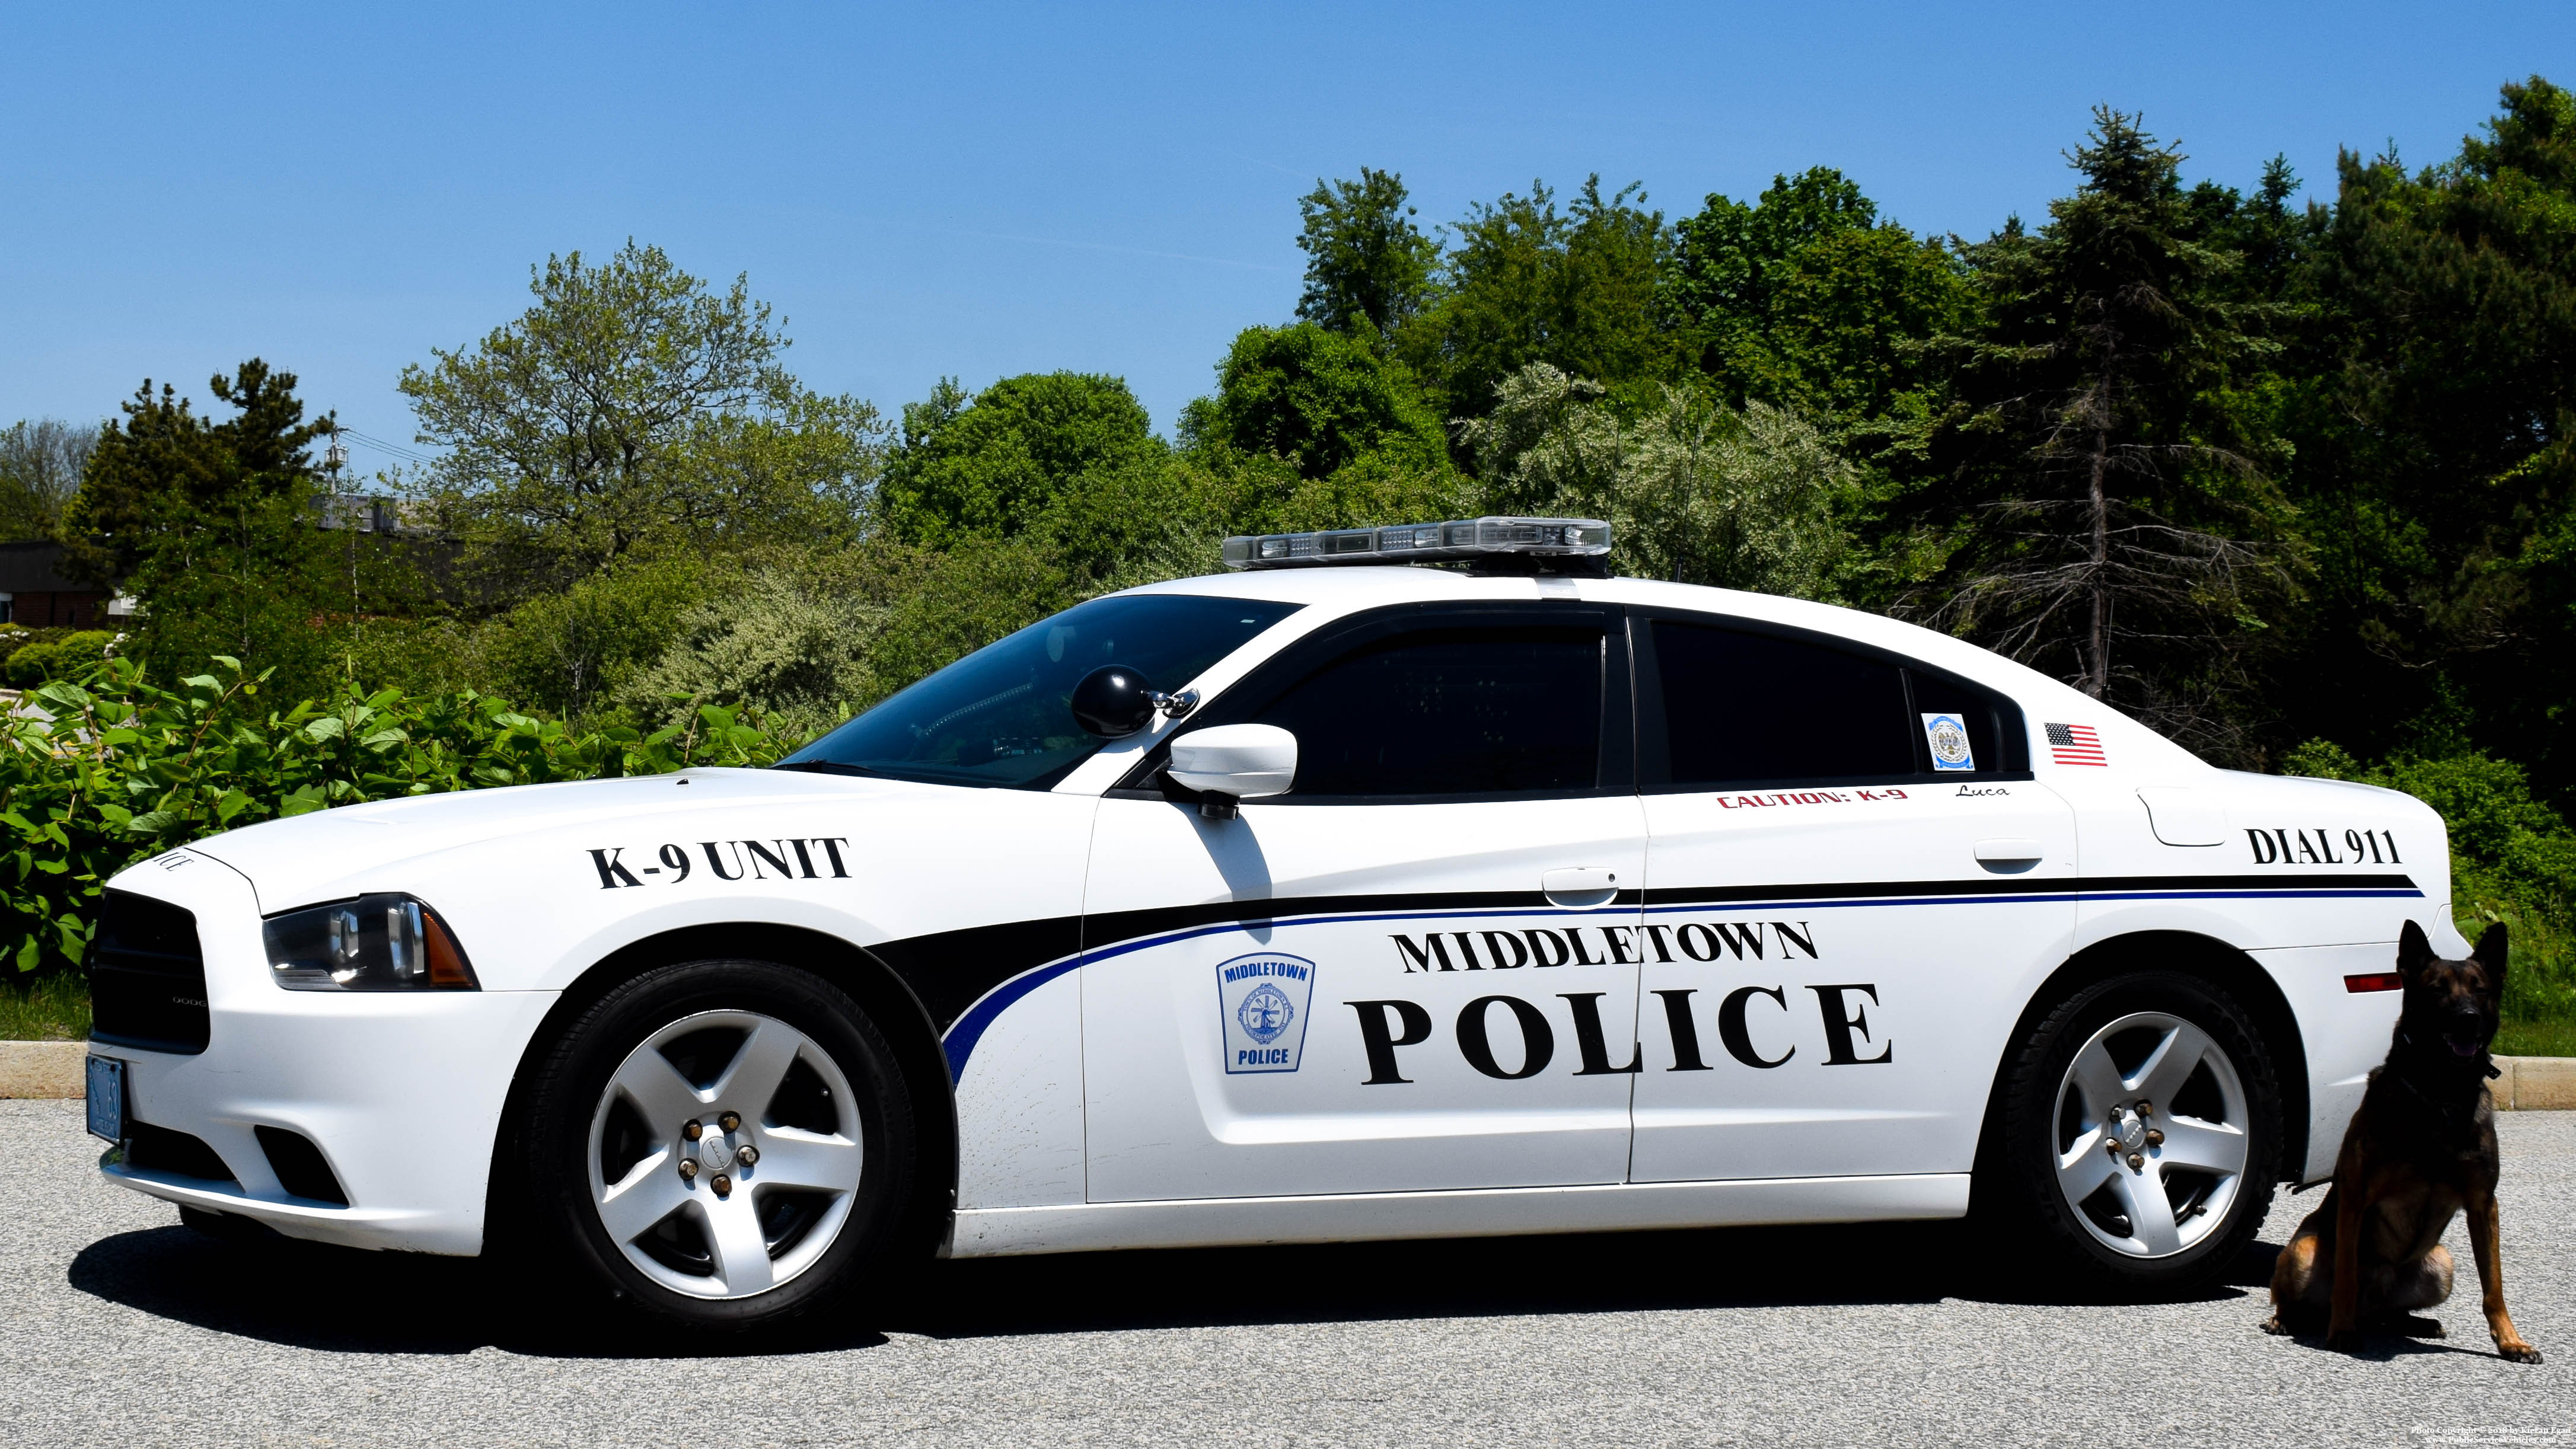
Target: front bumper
[(401, 1091)]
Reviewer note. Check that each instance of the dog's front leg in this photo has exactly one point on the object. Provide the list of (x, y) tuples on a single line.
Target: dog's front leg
[(2343, 1315), (2485, 1234)]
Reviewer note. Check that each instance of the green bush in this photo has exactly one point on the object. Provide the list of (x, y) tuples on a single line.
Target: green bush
[(58, 658), (781, 644), (14, 637), (2513, 859), (126, 769), (568, 653)]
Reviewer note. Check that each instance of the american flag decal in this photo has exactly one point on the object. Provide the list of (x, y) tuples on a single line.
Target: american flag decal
[(2072, 744)]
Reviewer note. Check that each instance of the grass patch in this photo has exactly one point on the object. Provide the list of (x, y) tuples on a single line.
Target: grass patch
[(2536, 1039), (51, 1006), (2539, 981)]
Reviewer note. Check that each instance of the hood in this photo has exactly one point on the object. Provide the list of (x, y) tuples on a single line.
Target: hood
[(346, 851)]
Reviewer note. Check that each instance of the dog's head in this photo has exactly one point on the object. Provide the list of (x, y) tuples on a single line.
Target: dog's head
[(2452, 1003)]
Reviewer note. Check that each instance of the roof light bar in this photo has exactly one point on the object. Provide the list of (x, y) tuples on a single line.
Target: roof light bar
[(1465, 538)]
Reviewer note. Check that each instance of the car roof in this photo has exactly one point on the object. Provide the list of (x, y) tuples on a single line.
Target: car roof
[(1351, 589)]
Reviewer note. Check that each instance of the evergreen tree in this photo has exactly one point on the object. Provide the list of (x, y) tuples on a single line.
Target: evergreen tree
[(212, 527), (2436, 467), (2114, 527)]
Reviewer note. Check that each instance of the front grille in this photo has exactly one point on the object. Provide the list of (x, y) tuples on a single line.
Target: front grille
[(147, 977)]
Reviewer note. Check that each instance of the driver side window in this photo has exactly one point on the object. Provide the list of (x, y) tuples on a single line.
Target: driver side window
[(1450, 711)]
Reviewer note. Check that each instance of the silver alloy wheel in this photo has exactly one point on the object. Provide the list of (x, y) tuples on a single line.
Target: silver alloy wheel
[(2157, 1115), (788, 1188)]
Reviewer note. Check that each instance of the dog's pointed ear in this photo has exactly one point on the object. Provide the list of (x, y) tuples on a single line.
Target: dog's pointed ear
[(2490, 953), (2414, 951)]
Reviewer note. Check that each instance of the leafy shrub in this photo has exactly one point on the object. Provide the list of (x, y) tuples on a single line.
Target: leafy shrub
[(2513, 859), (58, 658), (417, 655), (795, 651), (969, 598), (126, 769), (566, 653), (14, 637)]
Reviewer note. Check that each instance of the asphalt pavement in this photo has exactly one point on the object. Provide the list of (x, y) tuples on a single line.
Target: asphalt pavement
[(117, 1326)]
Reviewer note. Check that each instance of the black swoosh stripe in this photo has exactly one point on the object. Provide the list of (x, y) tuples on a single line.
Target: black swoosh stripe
[(950, 970), (2021, 886)]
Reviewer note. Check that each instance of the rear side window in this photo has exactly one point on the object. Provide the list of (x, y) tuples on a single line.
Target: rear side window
[(1474, 711), (1744, 708)]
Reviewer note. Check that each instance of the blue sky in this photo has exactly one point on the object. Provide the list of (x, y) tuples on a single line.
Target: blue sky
[(982, 190)]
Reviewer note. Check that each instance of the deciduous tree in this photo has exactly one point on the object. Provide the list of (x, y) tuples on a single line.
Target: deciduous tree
[(1806, 299), (1577, 289), (40, 469), (1315, 399), (632, 408), (991, 465), (1368, 267), (1695, 492)]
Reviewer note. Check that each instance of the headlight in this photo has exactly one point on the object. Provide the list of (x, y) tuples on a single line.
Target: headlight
[(373, 943)]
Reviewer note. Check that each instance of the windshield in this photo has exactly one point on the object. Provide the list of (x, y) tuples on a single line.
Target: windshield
[(1000, 715)]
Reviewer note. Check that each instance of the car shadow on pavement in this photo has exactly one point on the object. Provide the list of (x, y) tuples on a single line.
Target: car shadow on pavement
[(343, 1300), (308, 1295), (1877, 1263)]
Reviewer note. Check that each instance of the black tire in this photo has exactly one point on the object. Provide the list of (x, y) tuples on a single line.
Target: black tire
[(561, 1226), (2041, 1118)]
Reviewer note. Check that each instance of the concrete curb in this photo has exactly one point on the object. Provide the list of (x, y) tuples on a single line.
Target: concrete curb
[(55, 1069), (2535, 1084), (43, 1068)]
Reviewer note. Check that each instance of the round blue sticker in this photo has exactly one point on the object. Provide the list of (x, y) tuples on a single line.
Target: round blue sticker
[(1265, 1013)]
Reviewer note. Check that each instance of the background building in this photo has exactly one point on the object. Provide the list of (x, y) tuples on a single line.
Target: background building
[(35, 593)]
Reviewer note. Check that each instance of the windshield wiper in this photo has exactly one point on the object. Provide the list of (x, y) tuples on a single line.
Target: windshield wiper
[(823, 767)]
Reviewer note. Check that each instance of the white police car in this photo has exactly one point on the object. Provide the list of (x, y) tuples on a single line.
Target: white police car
[(1508, 898)]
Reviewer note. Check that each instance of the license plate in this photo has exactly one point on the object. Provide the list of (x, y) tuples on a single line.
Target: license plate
[(107, 1098)]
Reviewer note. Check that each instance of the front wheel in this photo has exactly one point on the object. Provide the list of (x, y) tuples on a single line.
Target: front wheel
[(722, 1144), (2141, 1134)]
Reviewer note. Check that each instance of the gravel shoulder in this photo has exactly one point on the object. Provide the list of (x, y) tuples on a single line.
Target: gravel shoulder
[(120, 1326)]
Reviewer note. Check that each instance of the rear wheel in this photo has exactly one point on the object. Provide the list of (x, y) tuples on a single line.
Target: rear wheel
[(2141, 1134), (721, 1144)]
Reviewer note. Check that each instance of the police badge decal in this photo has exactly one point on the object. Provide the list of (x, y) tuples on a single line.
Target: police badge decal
[(1261, 1002), (1949, 741)]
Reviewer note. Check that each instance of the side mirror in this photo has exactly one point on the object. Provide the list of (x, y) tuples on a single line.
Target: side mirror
[(1240, 762), (1113, 701)]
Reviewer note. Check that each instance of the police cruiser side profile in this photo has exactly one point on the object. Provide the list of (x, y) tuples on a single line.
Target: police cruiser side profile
[(1304, 902)]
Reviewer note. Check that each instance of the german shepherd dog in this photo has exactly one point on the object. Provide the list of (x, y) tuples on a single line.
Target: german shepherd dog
[(2421, 1148)]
